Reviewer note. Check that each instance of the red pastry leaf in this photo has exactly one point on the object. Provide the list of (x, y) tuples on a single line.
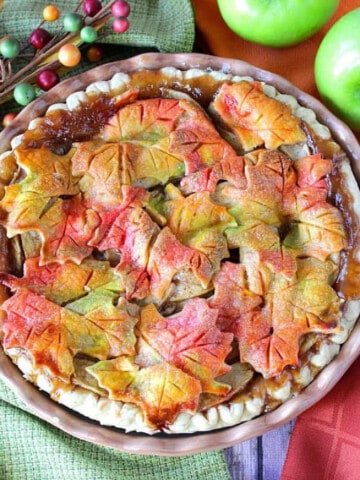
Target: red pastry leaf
[(132, 234), (318, 227), (190, 340), (68, 227), (169, 256), (37, 325), (71, 229), (232, 296), (311, 172)]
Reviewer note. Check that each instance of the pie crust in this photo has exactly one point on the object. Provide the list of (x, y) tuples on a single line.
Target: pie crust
[(243, 213)]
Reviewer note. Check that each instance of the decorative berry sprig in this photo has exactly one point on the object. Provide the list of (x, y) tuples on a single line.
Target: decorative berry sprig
[(49, 52)]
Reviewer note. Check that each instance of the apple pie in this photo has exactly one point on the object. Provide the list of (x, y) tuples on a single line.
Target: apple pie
[(179, 250)]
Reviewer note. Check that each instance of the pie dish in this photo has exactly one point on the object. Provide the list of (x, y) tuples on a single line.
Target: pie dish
[(179, 251)]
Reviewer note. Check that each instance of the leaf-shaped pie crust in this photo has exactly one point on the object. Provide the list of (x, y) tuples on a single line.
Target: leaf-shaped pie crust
[(178, 358), (47, 176), (178, 128), (269, 338), (169, 256), (190, 340), (162, 390), (65, 282), (176, 257), (53, 335), (232, 296), (254, 118)]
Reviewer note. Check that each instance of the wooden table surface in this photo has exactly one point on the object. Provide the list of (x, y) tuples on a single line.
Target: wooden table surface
[(261, 458)]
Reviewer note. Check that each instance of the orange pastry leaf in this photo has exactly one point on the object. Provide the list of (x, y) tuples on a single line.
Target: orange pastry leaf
[(98, 168), (105, 168), (53, 335), (254, 118), (269, 338), (47, 176), (190, 340), (318, 231), (162, 390), (179, 357), (169, 131), (229, 168), (269, 193), (63, 283)]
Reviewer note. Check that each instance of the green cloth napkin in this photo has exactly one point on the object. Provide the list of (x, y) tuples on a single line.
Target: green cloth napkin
[(155, 25), (31, 449), (165, 25)]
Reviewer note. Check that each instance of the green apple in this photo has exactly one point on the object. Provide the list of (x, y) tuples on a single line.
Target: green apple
[(337, 68), (276, 23)]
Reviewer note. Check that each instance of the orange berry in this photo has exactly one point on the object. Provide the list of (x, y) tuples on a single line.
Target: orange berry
[(8, 118), (51, 13), (69, 55)]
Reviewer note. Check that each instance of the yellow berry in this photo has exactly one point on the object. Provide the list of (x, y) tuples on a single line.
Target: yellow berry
[(51, 13), (69, 55)]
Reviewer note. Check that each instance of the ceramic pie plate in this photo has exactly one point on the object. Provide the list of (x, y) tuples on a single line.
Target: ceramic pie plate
[(184, 443)]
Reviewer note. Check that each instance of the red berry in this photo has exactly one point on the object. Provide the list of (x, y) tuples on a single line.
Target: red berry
[(39, 38), (47, 79), (92, 7), (121, 8), (120, 25), (94, 53)]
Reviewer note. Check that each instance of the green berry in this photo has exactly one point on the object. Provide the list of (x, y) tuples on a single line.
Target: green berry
[(24, 93), (88, 35), (10, 48), (72, 22)]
